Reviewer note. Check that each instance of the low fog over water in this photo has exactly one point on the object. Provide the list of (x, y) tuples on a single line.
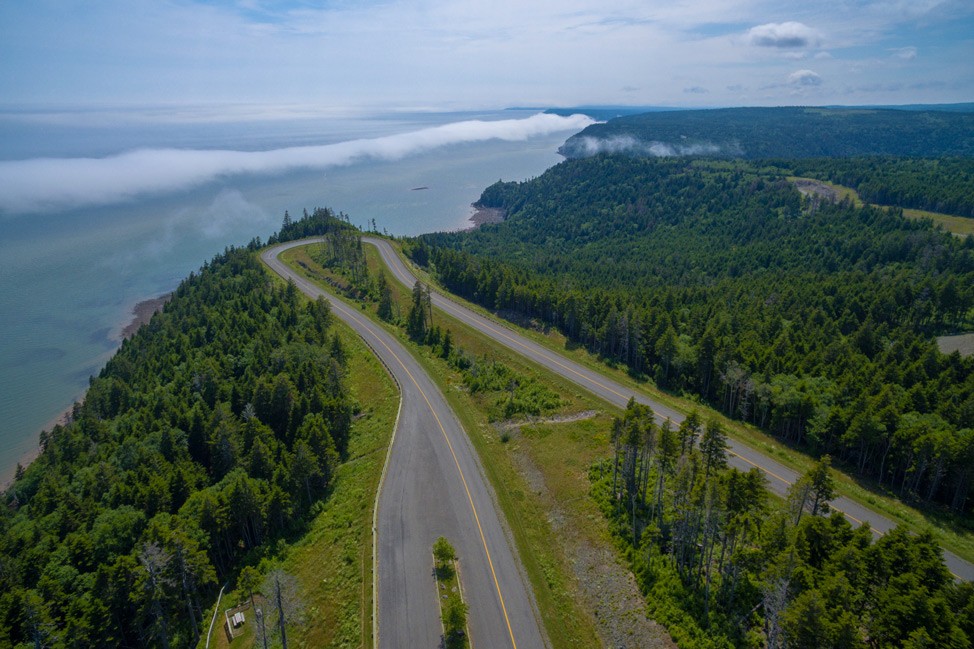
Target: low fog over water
[(95, 219)]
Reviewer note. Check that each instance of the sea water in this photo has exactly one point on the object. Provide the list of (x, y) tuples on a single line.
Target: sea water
[(70, 276)]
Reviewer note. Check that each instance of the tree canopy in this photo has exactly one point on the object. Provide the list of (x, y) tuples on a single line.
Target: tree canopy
[(813, 320), (211, 432)]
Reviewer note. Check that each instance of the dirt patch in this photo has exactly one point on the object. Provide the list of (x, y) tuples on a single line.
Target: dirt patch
[(820, 190), (605, 585), (515, 424), (963, 343)]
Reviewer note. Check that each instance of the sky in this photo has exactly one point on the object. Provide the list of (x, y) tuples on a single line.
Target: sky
[(342, 55)]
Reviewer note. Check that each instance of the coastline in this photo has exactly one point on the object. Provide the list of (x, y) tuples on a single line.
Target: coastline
[(141, 313), (484, 215)]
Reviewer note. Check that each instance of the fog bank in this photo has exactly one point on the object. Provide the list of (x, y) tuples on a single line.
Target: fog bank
[(41, 184)]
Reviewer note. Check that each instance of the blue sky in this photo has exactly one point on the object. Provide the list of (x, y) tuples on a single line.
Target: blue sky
[(454, 54)]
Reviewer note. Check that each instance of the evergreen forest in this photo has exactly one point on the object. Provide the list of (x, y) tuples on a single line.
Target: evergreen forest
[(211, 434), (718, 280), (781, 132), (724, 565)]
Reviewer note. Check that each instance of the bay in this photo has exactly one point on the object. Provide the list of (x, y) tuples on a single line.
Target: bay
[(70, 277)]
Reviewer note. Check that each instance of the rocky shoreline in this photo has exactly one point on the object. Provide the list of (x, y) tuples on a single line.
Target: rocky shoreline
[(483, 215), (143, 312)]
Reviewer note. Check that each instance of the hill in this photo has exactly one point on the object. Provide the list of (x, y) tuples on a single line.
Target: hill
[(209, 438), (788, 132), (813, 320)]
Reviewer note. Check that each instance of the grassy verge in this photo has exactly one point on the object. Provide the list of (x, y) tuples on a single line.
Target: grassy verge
[(952, 532), (333, 560), (543, 554)]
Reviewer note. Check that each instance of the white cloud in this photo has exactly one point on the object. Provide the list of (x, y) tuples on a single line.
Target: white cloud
[(450, 54), (590, 146), (784, 35), (804, 79), (30, 186), (904, 53)]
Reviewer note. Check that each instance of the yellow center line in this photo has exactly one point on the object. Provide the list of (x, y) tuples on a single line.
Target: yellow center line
[(458, 312), (366, 326)]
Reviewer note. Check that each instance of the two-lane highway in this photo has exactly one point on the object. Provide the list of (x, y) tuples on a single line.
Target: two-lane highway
[(780, 477), (433, 486)]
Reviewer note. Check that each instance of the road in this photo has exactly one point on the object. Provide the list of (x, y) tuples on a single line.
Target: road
[(433, 486), (743, 457)]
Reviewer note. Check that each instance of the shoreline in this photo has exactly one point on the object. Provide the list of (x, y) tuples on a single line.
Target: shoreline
[(485, 215), (140, 314)]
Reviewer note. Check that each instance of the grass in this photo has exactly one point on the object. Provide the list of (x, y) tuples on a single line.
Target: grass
[(959, 225), (962, 343), (952, 532), (333, 563), (545, 560), (842, 192), (333, 560)]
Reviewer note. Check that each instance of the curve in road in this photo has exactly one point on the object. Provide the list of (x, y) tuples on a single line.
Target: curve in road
[(433, 486), (743, 457)]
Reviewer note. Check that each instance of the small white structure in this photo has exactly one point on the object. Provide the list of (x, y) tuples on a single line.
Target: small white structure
[(233, 621)]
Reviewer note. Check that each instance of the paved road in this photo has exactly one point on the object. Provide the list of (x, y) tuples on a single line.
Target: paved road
[(434, 486), (780, 477)]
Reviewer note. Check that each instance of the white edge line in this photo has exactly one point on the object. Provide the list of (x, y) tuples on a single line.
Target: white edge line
[(385, 464)]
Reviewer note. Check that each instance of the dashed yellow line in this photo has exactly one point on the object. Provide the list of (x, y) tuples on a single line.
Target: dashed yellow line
[(483, 539)]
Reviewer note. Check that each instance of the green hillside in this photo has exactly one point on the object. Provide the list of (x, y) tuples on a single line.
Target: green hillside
[(812, 320), (788, 132), (211, 436)]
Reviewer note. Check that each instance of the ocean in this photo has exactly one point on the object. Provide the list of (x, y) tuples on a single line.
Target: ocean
[(99, 211)]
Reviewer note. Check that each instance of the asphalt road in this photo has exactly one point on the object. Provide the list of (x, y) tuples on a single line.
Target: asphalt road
[(743, 457), (433, 486)]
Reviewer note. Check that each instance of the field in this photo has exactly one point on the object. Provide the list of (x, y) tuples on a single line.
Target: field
[(958, 225), (963, 343)]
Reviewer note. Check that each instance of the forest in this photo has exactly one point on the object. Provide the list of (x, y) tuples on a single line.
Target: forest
[(212, 433), (782, 132), (944, 185), (724, 566), (717, 280)]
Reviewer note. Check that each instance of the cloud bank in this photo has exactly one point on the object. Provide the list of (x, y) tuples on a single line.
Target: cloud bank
[(30, 186)]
